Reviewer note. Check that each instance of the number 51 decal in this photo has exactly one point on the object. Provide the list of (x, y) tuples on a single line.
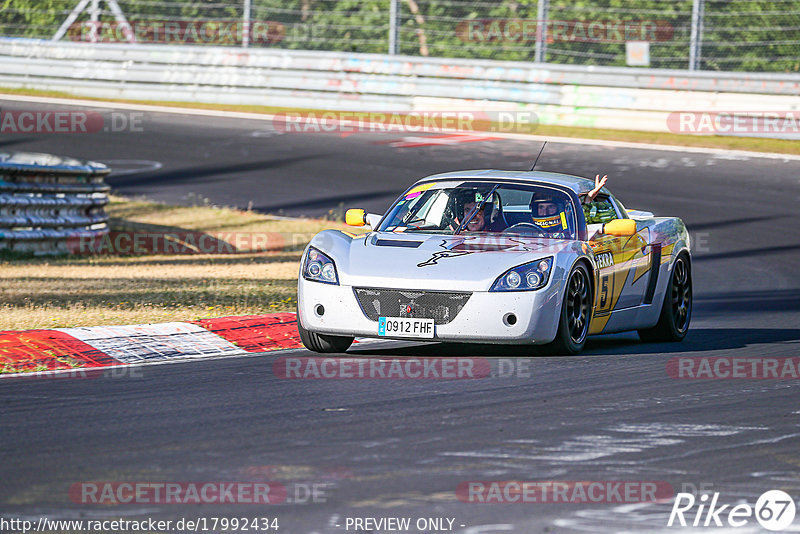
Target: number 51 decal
[(606, 292)]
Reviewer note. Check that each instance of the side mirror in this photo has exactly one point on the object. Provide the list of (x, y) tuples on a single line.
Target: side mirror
[(373, 220), (620, 227), (355, 217)]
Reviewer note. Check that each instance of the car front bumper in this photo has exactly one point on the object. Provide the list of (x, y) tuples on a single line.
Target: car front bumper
[(483, 319)]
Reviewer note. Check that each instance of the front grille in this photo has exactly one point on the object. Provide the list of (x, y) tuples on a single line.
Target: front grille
[(441, 306)]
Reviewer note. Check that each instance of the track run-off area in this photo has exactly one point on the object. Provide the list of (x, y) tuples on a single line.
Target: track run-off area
[(377, 448)]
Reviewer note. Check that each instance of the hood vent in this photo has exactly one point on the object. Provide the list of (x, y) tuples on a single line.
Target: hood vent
[(397, 243)]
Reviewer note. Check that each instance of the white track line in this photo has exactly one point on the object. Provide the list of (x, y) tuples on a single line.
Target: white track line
[(506, 135)]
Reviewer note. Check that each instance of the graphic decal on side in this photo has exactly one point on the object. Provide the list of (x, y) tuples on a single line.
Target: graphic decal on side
[(627, 257)]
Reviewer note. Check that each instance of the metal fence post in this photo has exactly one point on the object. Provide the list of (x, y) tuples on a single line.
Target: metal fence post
[(696, 44), (246, 24), (541, 31), (94, 17), (393, 27)]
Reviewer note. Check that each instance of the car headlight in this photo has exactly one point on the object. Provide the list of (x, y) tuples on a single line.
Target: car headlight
[(526, 277), (319, 267)]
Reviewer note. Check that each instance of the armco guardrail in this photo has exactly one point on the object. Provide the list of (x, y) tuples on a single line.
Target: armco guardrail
[(607, 97), (46, 201)]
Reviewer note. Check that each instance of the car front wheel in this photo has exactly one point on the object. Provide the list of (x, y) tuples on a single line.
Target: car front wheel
[(573, 325)]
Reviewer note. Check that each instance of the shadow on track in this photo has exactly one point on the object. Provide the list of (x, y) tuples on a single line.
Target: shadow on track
[(204, 173), (745, 253), (735, 222), (747, 302), (698, 340), (10, 142)]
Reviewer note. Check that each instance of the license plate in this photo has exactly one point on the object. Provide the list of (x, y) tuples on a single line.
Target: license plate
[(405, 327)]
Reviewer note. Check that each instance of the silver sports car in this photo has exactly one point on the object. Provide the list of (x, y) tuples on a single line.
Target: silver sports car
[(497, 257)]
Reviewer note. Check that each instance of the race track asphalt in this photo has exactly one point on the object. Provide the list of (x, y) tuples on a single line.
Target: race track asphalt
[(400, 448)]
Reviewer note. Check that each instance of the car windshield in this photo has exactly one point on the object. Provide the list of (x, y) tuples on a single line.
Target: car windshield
[(477, 207)]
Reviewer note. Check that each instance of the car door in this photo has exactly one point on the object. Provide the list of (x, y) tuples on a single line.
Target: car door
[(622, 263)]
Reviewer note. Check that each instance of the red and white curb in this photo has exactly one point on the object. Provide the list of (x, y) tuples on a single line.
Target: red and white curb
[(32, 351)]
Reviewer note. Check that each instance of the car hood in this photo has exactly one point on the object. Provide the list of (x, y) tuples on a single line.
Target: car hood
[(425, 261)]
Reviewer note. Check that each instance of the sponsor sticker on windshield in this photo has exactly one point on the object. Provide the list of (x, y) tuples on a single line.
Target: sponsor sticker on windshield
[(417, 191)]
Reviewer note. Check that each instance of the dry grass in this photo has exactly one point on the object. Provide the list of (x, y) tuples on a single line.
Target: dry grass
[(111, 289), (751, 144)]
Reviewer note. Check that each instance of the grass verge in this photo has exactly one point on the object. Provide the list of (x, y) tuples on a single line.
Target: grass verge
[(51, 292), (751, 144)]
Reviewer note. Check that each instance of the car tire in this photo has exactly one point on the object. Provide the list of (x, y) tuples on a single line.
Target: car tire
[(676, 310), (322, 342), (576, 309)]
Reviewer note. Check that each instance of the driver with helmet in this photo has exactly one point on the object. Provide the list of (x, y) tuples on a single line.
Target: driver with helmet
[(486, 219), (548, 210)]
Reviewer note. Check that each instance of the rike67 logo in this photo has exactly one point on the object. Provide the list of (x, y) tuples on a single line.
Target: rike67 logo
[(774, 510)]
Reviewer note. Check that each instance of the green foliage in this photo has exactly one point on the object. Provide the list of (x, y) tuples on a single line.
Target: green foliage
[(744, 35)]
